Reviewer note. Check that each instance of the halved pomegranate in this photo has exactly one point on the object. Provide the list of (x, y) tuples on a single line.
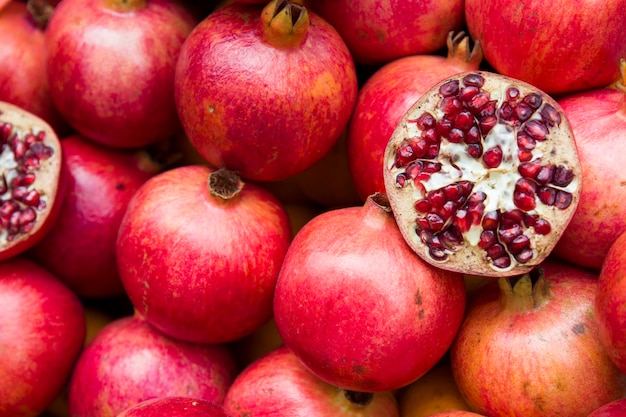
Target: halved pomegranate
[(30, 171), (482, 174)]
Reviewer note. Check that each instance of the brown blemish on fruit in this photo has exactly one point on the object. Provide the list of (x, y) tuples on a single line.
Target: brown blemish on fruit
[(579, 328), (418, 298)]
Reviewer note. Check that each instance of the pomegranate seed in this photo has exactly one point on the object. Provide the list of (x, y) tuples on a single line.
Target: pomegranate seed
[(436, 198), (19, 149), (475, 150), (529, 169), (401, 180), (536, 129), (443, 126), (524, 156), (524, 201), (464, 120), (545, 174), (506, 111), (25, 179), (487, 123), (468, 92), (512, 93), (474, 79), (542, 227), (447, 210), (414, 169), (480, 103), (550, 115), (523, 112), (563, 200), (472, 135), (462, 220), (491, 220), (27, 216), (502, 262), (547, 195), (451, 106), (525, 142), (524, 256), (476, 198), (533, 100), (431, 136), (450, 88), (422, 206), (425, 121), (404, 154), (3, 184), (509, 233), (32, 198), (495, 251), (5, 132), (432, 151), (451, 238), (456, 135), (436, 249), (518, 244), (515, 216), (524, 185), (493, 157), (562, 176), (487, 239)]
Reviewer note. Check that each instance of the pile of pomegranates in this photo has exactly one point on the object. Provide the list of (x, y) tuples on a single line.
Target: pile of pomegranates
[(255, 208)]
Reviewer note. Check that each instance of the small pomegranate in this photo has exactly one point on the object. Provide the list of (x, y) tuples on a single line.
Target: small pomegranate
[(529, 346), (129, 361), (358, 307), (110, 67), (265, 91), (556, 47), (379, 31), (80, 247), (482, 174), (175, 407), (601, 216), (199, 253), (31, 183), (387, 95)]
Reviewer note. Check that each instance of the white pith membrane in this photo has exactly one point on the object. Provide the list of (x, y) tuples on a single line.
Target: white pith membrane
[(23, 200), (454, 237)]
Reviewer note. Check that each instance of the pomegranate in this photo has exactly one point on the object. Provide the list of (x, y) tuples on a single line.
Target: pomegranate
[(615, 408), (482, 174), (80, 247), (175, 407), (278, 385), (265, 91), (379, 31), (42, 328), (556, 47), (600, 217), (358, 307), (389, 93), (531, 348), (456, 413), (199, 253), (129, 102), (31, 179), (23, 79), (610, 303), (129, 361)]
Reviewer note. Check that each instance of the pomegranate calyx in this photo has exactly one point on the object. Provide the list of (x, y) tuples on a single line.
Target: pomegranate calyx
[(40, 11), (621, 83), (358, 398), (225, 183), (125, 6), (459, 49), (381, 200), (285, 23), (523, 293)]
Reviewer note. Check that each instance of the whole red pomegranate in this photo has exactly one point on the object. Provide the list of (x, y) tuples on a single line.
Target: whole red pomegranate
[(32, 179), (387, 95), (80, 247), (42, 329), (358, 307), (110, 67), (128, 361), (199, 253), (265, 91), (482, 174), (379, 31), (610, 303), (175, 407), (598, 121), (532, 348), (556, 47)]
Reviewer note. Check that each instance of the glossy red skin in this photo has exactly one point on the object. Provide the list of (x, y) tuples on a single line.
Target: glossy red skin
[(22, 74), (456, 413), (382, 101), (175, 407), (42, 329), (129, 361), (536, 361), (129, 102), (267, 112), (615, 408), (80, 247), (198, 267), (358, 307), (610, 303), (278, 385), (379, 31), (598, 121), (557, 47)]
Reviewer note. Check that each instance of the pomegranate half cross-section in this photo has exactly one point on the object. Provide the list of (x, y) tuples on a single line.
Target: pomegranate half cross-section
[(482, 174)]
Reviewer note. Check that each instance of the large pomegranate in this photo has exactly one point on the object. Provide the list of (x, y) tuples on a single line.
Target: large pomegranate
[(358, 307), (598, 120), (482, 174), (560, 47), (199, 253), (110, 67), (31, 179), (387, 95), (532, 348), (265, 91)]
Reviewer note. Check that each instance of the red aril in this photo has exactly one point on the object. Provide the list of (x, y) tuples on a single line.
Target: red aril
[(358, 307), (387, 95), (199, 253), (265, 91), (482, 174)]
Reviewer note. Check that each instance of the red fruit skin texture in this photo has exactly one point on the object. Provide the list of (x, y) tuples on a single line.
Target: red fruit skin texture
[(278, 385), (267, 112), (615, 408), (42, 329), (598, 121), (456, 413), (358, 307), (80, 247), (175, 407), (536, 361), (610, 303), (379, 31), (22, 74), (557, 47), (111, 73), (198, 267), (129, 361)]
